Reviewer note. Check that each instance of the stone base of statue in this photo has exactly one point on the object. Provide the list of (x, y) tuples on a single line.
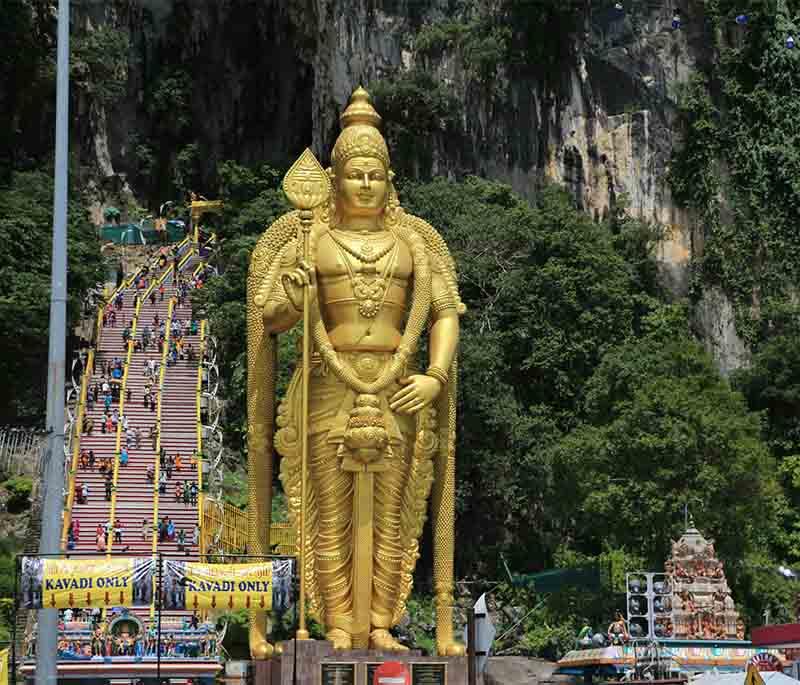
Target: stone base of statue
[(318, 664)]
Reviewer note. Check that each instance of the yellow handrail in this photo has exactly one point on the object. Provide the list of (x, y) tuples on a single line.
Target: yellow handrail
[(232, 525), (161, 372), (67, 519), (87, 374), (200, 430), (123, 387), (98, 326)]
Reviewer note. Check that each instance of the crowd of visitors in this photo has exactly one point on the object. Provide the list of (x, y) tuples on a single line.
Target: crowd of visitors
[(90, 633), (108, 388)]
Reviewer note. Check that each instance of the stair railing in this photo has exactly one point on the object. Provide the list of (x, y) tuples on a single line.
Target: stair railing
[(199, 433), (120, 422), (157, 457), (162, 372), (76, 448)]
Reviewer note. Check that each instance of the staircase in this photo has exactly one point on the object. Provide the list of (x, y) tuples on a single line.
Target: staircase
[(131, 502), (179, 437)]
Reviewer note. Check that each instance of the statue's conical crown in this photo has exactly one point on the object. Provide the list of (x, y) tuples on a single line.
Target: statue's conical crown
[(360, 111), (360, 136)]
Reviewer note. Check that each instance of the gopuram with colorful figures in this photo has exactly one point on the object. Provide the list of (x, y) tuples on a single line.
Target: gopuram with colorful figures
[(678, 622), (701, 601)]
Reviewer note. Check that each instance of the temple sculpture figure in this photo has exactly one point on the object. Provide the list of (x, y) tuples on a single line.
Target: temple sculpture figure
[(702, 606), (380, 423)]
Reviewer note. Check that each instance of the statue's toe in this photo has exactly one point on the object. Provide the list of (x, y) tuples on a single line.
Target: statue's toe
[(339, 638), (261, 649), (451, 649), (382, 640)]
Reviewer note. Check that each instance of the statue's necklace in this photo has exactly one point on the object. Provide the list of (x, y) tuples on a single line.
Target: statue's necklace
[(368, 253), (369, 289)]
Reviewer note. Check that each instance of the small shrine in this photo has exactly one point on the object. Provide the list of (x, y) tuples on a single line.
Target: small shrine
[(680, 622), (702, 606)]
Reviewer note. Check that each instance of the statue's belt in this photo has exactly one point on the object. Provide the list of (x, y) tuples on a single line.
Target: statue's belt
[(325, 385)]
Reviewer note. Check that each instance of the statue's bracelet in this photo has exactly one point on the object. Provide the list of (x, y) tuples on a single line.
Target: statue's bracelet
[(437, 373)]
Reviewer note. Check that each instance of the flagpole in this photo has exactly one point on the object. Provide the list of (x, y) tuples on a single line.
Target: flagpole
[(53, 472)]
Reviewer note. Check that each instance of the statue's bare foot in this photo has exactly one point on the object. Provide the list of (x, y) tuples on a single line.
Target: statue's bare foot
[(382, 640), (340, 639), (450, 649), (261, 649)]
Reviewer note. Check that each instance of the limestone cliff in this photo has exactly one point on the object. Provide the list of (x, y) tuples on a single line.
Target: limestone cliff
[(262, 80)]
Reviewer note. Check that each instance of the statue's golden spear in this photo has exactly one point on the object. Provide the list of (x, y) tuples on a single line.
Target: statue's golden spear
[(307, 186)]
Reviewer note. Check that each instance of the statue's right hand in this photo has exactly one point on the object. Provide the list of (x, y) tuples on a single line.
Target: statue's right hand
[(296, 280)]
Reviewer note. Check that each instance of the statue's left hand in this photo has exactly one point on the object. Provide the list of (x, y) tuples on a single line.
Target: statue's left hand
[(419, 392)]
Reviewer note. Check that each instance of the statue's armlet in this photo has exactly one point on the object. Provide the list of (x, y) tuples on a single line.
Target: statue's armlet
[(286, 264), (279, 313), (442, 300)]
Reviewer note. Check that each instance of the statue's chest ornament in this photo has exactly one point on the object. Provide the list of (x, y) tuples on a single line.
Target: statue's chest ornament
[(369, 287)]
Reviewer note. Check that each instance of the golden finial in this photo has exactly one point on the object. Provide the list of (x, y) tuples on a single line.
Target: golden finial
[(360, 110), (306, 184)]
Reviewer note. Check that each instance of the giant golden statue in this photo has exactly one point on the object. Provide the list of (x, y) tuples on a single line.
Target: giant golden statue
[(376, 427)]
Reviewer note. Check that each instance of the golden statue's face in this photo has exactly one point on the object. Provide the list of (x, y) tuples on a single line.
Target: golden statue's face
[(363, 187)]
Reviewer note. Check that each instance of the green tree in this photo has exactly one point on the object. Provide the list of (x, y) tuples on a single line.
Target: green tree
[(772, 386), (661, 427), (253, 200), (26, 234), (420, 114), (20, 489), (548, 292), (738, 166), (99, 63), (27, 84)]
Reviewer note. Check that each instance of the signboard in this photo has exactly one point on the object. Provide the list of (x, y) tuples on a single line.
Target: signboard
[(764, 661), (391, 673), (63, 583), (429, 674), (338, 674), (262, 585)]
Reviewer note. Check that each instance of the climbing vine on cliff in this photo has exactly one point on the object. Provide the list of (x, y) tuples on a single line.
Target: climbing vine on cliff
[(739, 167), (506, 35), (418, 110)]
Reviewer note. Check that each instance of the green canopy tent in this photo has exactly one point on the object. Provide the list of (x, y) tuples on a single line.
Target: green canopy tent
[(554, 580), (134, 234)]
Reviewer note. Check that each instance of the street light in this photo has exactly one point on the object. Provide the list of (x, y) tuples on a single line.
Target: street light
[(53, 475)]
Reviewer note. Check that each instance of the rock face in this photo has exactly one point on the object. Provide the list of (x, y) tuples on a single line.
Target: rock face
[(518, 670), (268, 78)]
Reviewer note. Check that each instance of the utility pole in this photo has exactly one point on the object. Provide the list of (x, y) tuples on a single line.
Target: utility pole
[(53, 472)]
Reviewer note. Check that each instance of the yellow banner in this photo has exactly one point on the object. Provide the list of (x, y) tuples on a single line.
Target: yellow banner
[(218, 586), (62, 583), (4, 667)]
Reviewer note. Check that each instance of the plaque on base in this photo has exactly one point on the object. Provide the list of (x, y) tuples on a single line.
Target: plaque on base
[(428, 674), (338, 674), (318, 664)]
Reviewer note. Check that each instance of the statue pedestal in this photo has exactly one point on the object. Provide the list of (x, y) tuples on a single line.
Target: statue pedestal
[(318, 664)]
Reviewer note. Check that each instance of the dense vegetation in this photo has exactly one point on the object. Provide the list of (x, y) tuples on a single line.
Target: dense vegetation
[(26, 236), (598, 389), (738, 167), (590, 414)]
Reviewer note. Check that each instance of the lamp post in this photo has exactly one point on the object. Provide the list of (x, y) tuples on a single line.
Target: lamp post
[(53, 473)]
